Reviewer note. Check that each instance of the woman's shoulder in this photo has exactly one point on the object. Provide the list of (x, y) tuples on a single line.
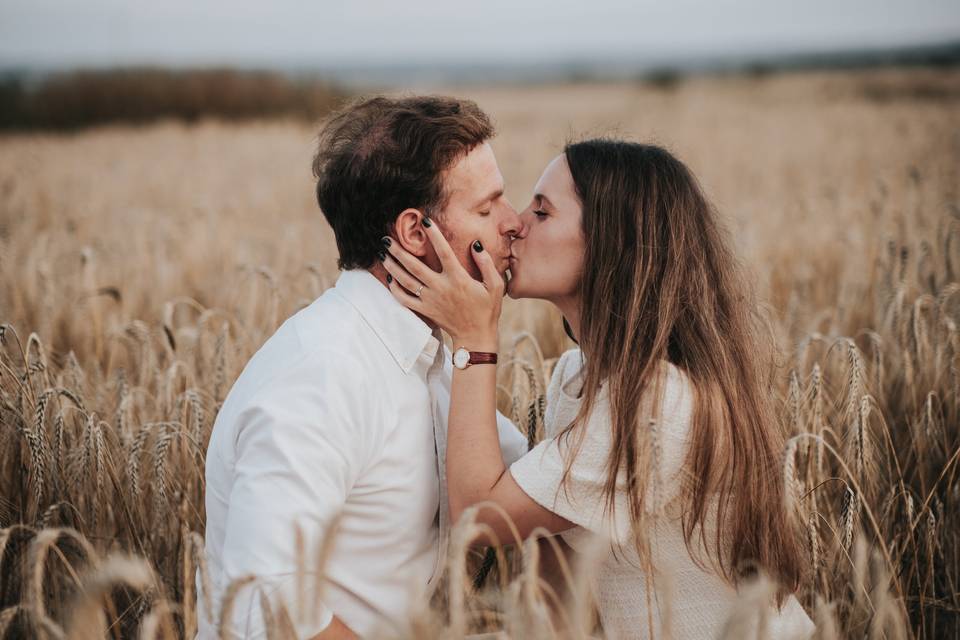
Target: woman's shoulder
[(567, 367), (676, 386), (562, 391), (568, 364), (668, 399)]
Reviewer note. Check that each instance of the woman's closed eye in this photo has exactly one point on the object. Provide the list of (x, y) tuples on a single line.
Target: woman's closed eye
[(540, 213)]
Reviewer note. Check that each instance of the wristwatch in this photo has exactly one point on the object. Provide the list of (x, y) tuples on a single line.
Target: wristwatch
[(463, 358)]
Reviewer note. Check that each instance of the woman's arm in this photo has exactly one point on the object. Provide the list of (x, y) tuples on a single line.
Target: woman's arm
[(475, 469), (470, 311)]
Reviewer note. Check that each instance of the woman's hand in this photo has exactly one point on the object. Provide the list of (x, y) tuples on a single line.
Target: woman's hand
[(466, 309)]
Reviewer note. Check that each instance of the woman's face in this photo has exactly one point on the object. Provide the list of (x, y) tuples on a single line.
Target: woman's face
[(547, 255)]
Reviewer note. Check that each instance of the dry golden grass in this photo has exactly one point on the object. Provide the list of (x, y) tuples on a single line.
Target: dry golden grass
[(140, 268)]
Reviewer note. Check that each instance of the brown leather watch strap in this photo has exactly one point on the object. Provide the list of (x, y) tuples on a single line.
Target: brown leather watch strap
[(480, 357)]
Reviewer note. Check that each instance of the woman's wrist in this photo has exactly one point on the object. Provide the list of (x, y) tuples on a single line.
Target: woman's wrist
[(486, 341)]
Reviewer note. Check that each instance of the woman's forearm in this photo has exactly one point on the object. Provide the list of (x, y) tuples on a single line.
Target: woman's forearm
[(474, 460), (475, 468)]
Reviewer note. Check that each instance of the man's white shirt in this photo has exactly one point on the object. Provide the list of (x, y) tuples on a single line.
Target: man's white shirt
[(342, 411)]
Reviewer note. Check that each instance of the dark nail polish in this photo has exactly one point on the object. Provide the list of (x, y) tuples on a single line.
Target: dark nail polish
[(381, 256), (427, 222), (389, 278), (477, 246), (386, 241)]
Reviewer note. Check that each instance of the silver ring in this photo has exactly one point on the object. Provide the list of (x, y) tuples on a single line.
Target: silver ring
[(419, 289)]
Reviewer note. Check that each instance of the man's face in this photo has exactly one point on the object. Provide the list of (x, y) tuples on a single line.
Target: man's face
[(477, 210)]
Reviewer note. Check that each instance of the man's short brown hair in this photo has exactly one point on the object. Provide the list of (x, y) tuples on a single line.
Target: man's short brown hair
[(379, 156)]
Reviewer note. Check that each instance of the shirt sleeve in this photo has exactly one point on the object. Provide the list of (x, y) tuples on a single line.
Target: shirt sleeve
[(540, 471), (299, 450)]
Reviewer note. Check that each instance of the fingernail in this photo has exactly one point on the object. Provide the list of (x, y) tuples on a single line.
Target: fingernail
[(385, 240), (477, 246), (381, 256), (389, 278), (427, 222)]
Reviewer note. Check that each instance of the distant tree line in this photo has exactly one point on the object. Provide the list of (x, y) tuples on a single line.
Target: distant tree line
[(79, 99)]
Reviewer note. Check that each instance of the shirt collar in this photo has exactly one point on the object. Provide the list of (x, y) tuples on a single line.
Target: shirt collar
[(401, 331)]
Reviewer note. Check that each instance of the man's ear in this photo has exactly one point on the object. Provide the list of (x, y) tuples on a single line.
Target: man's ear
[(409, 232)]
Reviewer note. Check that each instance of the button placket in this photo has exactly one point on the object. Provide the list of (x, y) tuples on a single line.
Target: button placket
[(440, 441)]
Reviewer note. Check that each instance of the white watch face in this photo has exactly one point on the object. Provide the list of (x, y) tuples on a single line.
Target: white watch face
[(461, 358)]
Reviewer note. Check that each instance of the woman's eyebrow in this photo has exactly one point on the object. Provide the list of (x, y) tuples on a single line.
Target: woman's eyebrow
[(542, 199)]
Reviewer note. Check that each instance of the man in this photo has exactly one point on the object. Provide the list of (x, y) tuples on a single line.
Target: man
[(341, 416)]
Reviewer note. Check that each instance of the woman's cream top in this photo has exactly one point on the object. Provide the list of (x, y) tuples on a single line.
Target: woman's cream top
[(684, 601)]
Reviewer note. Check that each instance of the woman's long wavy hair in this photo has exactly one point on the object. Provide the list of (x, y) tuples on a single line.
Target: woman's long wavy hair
[(661, 282)]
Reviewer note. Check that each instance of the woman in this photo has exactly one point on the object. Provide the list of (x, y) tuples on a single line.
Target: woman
[(660, 428)]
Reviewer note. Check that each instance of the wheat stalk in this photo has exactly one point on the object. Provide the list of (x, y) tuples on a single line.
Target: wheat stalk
[(229, 598)]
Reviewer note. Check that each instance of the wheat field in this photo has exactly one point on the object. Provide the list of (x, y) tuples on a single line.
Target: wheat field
[(140, 267)]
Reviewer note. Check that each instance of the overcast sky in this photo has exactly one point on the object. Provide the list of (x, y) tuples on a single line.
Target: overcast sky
[(321, 32)]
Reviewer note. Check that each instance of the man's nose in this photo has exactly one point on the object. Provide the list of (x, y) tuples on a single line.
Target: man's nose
[(512, 223), (524, 226)]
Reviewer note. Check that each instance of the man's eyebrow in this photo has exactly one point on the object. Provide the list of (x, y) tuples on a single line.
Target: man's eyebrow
[(496, 193)]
